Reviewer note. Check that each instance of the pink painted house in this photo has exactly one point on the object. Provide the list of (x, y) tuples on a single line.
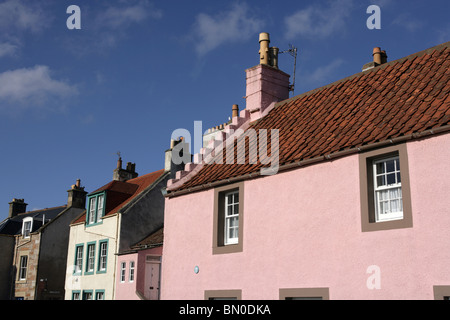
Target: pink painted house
[(139, 269), (355, 204)]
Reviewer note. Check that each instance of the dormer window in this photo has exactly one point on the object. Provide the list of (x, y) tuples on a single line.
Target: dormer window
[(96, 209), (27, 224)]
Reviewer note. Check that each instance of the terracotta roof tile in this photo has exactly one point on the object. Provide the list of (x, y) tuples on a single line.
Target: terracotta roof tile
[(406, 96), (121, 193)]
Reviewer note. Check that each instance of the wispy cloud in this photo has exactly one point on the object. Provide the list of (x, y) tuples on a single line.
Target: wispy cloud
[(318, 21), (18, 17), (23, 16), (443, 34), (32, 87), (7, 49), (117, 17), (325, 73), (110, 23), (407, 21), (232, 26)]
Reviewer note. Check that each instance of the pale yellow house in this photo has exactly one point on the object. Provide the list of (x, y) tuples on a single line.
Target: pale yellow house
[(118, 215)]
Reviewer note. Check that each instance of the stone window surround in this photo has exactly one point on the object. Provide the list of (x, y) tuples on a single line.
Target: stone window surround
[(366, 189), (218, 246)]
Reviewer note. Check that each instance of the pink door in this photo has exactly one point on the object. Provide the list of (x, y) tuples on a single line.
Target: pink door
[(152, 277)]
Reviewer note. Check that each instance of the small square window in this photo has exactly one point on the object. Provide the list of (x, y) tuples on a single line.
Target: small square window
[(87, 295)]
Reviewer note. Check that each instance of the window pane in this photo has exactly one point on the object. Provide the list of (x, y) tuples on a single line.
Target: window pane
[(381, 181), (92, 210), (391, 178), (236, 209), (390, 166), (395, 206), (236, 197), (380, 167), (234, 222), (397, 164), (399, 180)]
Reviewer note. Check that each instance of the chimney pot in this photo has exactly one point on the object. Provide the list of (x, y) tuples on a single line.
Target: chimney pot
[(235, 110), (264, 40), (377, 55), (383, 56), (274, 57)]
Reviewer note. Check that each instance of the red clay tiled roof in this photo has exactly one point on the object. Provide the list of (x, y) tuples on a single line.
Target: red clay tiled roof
[(399, 98), (120, 193)]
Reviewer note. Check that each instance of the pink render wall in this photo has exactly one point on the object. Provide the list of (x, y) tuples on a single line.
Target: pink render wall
[(127, 290), (302, 229)]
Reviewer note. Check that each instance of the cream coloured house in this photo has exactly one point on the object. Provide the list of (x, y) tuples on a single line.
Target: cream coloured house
[(118, 215)]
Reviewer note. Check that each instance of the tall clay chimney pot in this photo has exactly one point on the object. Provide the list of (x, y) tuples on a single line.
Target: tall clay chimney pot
[(235, 110), (377, 55), (264, 40)]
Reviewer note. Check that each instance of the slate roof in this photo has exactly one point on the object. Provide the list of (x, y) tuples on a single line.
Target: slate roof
[(13, 226), (155, 239), (400, 98), (120, 193)]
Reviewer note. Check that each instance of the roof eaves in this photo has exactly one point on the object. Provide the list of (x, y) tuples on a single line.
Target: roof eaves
[(302, 163)]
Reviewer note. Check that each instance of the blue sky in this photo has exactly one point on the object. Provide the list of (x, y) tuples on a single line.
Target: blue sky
[(137, 70)]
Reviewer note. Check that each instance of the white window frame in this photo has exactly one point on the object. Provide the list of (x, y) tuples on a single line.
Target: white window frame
[(99, 295), (229, 216), (90, 267), (78, 259), (131, 272), (100, 204), (23, 267), (76, 295), (103, 256), (123, 268), (92, 209), (26, 231), (379, 217), (88, 295)]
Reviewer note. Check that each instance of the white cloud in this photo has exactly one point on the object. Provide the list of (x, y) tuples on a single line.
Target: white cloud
[(234, 25), (20, 15), (121, 17), (325, 73), (110, 24), (407, 21), (30, 87), (318, 21), (7, 49)]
